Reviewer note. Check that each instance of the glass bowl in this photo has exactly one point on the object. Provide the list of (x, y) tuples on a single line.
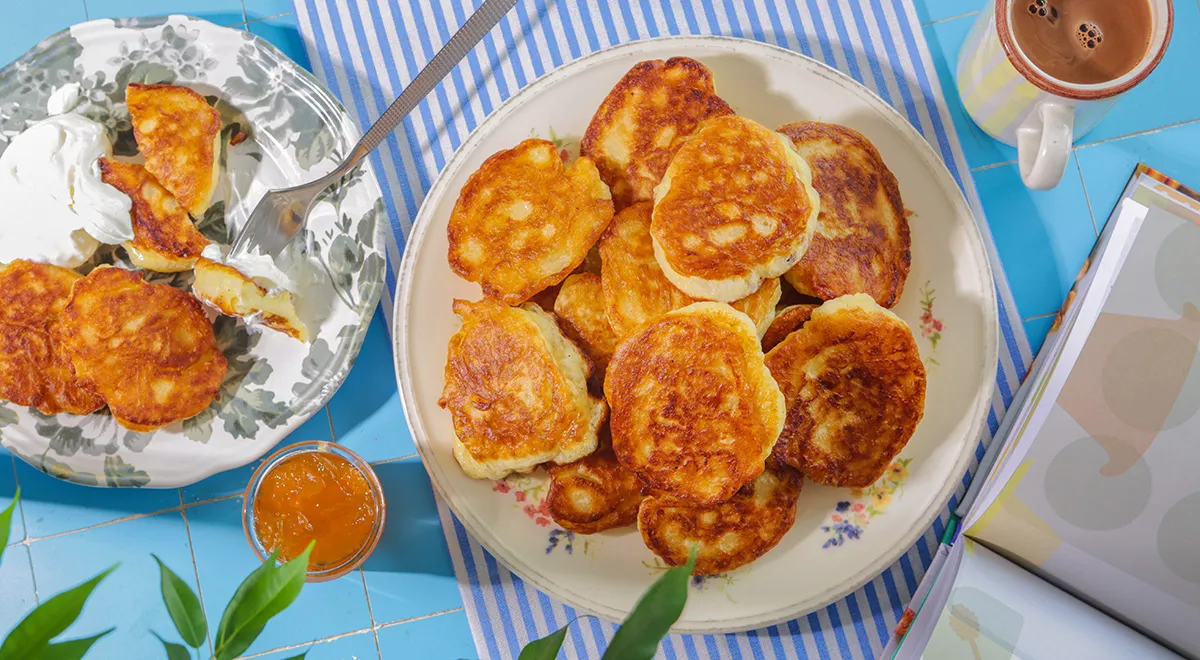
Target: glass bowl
[(332, 571)]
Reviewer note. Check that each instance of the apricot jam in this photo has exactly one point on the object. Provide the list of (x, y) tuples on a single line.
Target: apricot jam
[(315, 496)]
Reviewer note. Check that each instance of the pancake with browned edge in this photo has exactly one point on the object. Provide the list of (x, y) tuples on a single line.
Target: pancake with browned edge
[(726, 535), (516, 388), (593, 494), (165, 239), (635, 289), (787, 320), (855, 390), (233, 293), (643, 120), (524, 220), (34, 369), (580, 311), (695, 411), (735, 207), (147, 349), (179, 134), (862, 242)]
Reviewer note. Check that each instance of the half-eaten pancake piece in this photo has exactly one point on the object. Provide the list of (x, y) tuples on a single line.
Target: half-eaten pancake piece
[(148, 349), (635, 289), (861, 244), (525, 220), (593, 494), (728, 535), (644, 119), (34, 369), (179, 133), (516, 388), (695, 412), (735, 207), (165, 239), (580, 310), (855, 389), (233, 293), (787, 320)]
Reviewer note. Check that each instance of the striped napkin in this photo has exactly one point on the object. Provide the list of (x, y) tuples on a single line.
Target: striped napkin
[(366, 51)]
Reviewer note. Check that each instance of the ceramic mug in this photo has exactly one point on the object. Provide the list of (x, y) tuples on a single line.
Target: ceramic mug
[(1017, 103)]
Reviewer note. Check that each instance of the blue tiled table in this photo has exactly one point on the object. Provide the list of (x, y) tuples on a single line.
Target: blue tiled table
[(405, 603)]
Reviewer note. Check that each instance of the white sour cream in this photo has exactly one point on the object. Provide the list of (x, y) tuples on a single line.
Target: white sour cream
[(54, 207), (258, 267)]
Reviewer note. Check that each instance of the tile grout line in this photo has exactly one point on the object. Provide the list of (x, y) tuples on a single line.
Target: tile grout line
[(1148, 131), (1039, 317), (329, 418), (187, 528), (370, 612), (311, 642), (396, 459), (135, 516), (87, 16), (245, 16), (1086, 198), (37, 599), (272, 17), (951, 18), (420, 618)]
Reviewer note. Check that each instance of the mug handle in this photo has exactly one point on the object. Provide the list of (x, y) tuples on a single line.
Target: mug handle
[(1044, 144)]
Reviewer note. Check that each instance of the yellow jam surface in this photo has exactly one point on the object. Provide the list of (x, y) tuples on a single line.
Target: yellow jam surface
[(314, 496)]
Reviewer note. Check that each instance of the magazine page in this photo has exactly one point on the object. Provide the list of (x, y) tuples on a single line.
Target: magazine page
[(994, 610), (1103, 499)]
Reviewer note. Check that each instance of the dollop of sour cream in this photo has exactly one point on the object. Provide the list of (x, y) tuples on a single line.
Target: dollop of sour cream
[(54, 207)]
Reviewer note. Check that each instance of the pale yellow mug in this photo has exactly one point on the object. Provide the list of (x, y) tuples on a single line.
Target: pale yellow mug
[(1017, 103)]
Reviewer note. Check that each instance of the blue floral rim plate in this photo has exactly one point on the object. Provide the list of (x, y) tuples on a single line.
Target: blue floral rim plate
[(296, 130)]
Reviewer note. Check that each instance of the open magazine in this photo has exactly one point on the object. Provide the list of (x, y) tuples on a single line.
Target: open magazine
[(1081, 538)]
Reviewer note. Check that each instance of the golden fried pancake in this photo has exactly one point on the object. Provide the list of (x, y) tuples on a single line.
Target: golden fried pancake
[(735, 207), (726, 535), (179, 133), (148, 349), (593, 494), (787, 320), (164, 238), (580, 310), (516, 388), (233, 293), (34, 370), (855, 389), (861, 244), (694, 410), (635, 289), (524, 220), (644, 119)]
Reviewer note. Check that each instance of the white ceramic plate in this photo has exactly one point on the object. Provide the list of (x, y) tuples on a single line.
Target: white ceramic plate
[(841, 538), (297, 132)]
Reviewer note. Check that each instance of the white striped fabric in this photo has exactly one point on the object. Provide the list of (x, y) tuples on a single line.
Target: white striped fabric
[(366, 51)]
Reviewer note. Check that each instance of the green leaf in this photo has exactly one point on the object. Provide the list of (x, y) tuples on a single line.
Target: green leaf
[(183, 606), (33, 634), (640, 633), (546, 648), (6, 521), (269, 590), (174, 651), (298, 657), (72, 649)]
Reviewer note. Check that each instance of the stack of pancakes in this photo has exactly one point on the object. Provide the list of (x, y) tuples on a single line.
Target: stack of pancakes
[(718, 401)]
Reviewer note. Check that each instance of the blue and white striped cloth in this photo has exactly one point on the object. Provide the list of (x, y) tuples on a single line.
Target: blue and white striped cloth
[(367, 51)]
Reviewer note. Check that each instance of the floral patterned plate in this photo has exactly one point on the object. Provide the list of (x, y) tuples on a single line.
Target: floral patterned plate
[(841, 538), (295, 131)]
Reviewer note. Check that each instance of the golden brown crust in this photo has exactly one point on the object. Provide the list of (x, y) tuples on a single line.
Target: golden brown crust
[(726, 535), (177, 131), (524, 220), (855, 390), (694, 411), (580, 311), (147, 349), (736, 206), (635, 289), (787, 320), (34, 369), (593, 494), (862, 243), (164, 237), (233, 293), (644, 119), (514, 398)]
